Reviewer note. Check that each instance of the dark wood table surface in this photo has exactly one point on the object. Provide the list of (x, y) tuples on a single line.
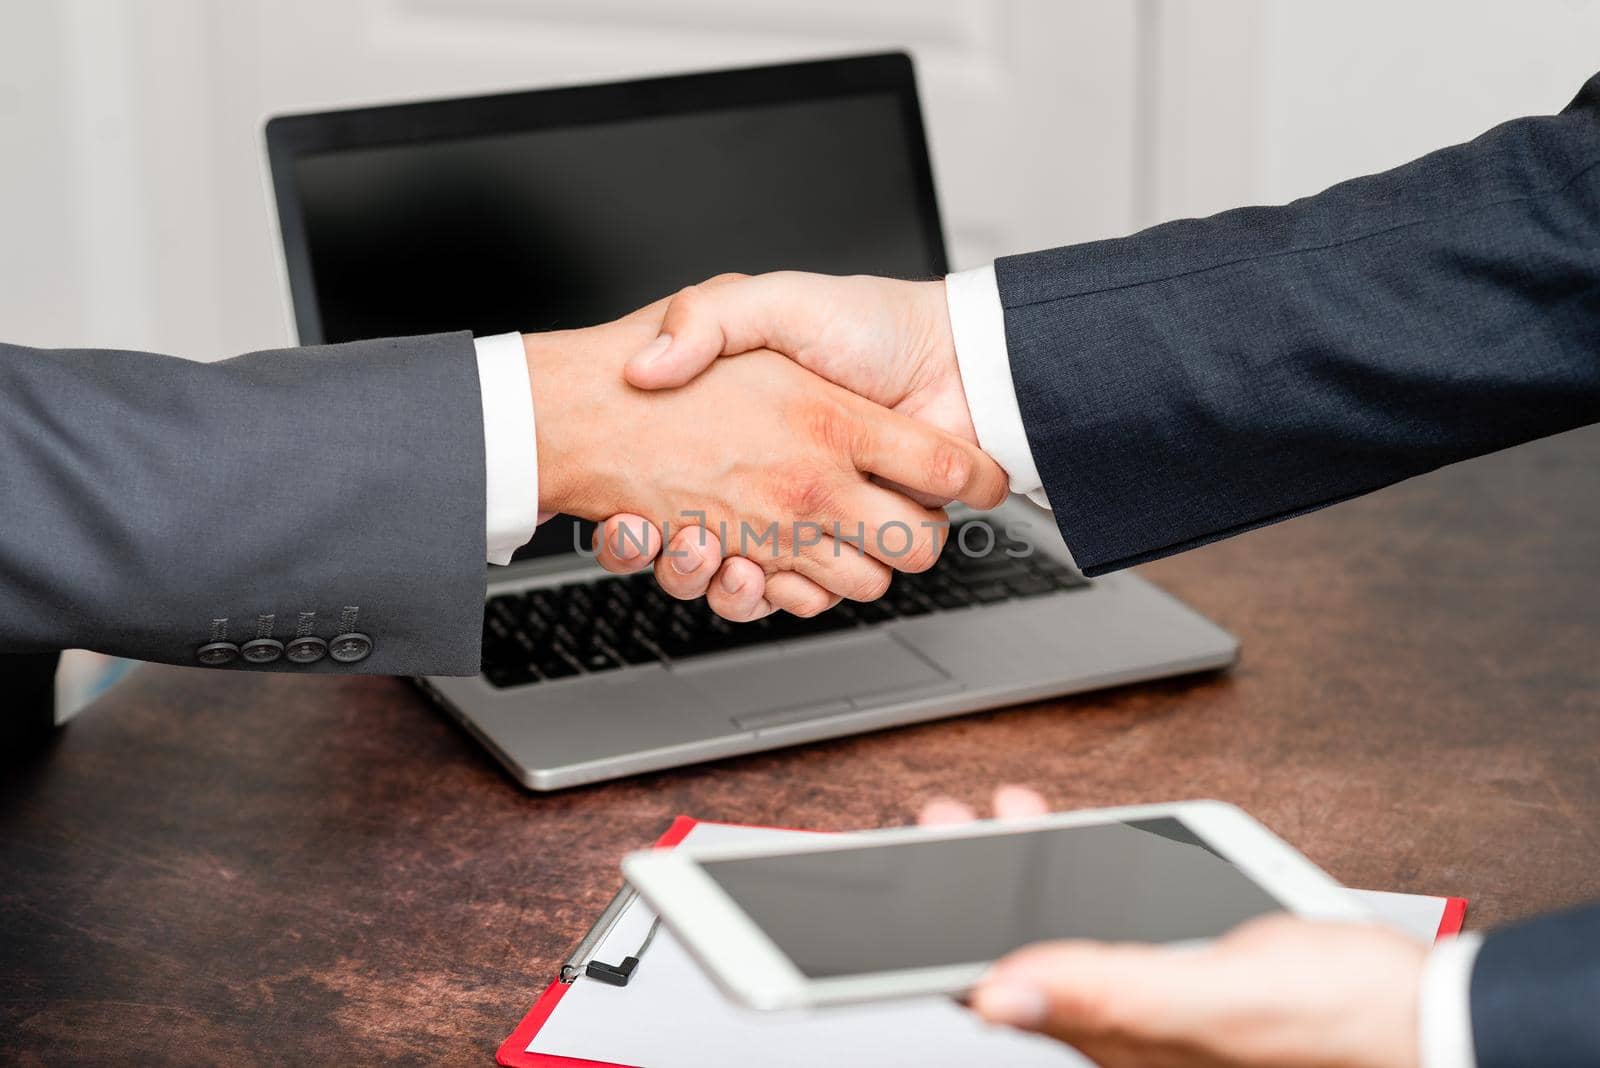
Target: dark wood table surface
[(210, 867)]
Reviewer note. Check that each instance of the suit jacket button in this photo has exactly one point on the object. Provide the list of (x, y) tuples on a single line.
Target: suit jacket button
[(348, 648), (261, 650), (306, 650), (215, 654)]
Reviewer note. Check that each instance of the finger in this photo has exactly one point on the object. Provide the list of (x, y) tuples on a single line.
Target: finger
[(838, 568), (626, 543), (1010, 1003), (739, 592), (927, 500), (690, 561), (728, 314), (1082, 990), (1036, 984), (923, 458), (1018, 803), (944, 811), (789, 591), (899, 532)]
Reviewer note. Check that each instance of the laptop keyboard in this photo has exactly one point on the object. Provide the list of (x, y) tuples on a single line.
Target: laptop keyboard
[(610, 623)]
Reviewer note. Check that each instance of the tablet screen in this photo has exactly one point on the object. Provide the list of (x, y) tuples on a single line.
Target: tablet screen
[(969, 900)]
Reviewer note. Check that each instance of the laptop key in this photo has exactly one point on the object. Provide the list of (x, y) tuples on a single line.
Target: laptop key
[(871, 611), (544, 603), (989, 592), (634, 651), (557, 667), (825, 623), (987, 564), (948, 594), (504, 610), (677, 641), (596, 658), (503, 676)]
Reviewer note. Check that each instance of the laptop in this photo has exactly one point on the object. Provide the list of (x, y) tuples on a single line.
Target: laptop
[(569, 207)]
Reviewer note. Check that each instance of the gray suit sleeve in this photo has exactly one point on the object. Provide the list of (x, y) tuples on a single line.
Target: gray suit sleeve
[(1212, 375), (150, 506)]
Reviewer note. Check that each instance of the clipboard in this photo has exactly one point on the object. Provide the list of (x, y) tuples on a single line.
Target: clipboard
[(1411, 911), (513, 1052)]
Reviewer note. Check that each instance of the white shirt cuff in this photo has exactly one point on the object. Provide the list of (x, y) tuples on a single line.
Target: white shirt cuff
[(510, 447), (978, 326), (1444, 1005)]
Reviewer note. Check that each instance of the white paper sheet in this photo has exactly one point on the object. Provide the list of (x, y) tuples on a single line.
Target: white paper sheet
[(671, 1016)]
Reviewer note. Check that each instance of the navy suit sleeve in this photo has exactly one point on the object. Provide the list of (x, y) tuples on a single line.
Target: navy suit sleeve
[(1212, 375), (1536, 993)]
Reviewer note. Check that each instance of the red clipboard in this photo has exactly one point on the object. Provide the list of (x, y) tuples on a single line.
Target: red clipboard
[(513, 1052)]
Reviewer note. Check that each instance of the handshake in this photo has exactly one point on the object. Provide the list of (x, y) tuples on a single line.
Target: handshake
[(805, 469)]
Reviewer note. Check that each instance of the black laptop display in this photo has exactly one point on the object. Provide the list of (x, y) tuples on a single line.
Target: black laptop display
[(564, 208)]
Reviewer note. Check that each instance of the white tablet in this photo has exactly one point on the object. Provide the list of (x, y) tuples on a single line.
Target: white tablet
[(905, 912)]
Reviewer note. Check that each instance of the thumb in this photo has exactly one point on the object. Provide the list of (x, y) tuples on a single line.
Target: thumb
[(1075, 991), (727, 315)]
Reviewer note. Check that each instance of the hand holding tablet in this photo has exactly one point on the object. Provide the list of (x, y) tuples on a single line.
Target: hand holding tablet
[(904, 912)]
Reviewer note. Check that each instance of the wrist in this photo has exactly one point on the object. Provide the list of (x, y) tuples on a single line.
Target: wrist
[(585, 425), (938, 392), (549, 389)]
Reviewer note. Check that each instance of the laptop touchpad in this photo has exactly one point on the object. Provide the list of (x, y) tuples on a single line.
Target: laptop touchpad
[(827, 678)]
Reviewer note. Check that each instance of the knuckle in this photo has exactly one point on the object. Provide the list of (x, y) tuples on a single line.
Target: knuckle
[(1097, 1011), (724, 278), (731, 608), (687, 303), (870, 586), (810, 494), (919, 556), (950, 469), (998, 489), (832, 428), (697, 546), (810, 604), (673, 584)]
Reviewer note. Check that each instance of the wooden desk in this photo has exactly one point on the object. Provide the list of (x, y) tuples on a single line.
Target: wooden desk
[(210, 867)]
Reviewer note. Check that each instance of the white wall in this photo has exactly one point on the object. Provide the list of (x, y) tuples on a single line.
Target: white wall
[(1262, 102), (131, 201)]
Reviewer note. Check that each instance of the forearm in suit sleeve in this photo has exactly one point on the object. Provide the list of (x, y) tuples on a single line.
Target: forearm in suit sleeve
[(147, 498), (1536, 993), (1208, 376)]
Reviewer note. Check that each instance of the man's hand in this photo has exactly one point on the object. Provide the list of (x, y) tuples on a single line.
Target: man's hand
[(1278, 991), (883, 339), (886, 340), (759, 447)]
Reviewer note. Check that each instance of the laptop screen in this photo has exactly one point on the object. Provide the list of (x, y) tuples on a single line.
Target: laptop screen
[(556, 224)]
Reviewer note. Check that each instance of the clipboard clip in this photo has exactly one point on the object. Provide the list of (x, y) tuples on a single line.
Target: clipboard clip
[(580, 961)]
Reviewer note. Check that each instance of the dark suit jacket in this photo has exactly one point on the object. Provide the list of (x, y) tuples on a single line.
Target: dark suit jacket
[(151, 506), (1212, 375)]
